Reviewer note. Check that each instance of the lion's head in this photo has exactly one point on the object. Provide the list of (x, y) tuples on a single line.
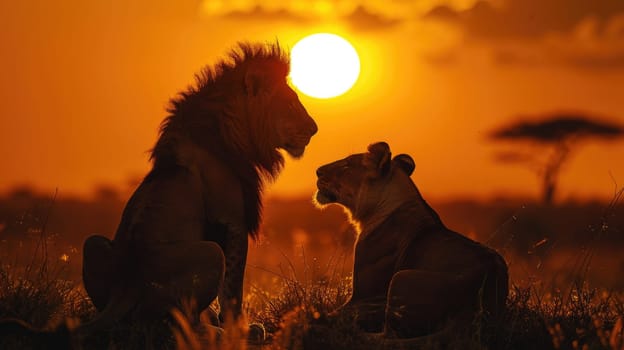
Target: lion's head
[(362, 181), (243, 109), (286, 119)]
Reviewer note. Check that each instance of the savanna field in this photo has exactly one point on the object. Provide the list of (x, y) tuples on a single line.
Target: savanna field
[(566, 290), (189, 174)]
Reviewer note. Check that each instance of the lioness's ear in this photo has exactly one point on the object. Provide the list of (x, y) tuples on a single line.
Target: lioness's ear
[(405, 163), (378, 158)]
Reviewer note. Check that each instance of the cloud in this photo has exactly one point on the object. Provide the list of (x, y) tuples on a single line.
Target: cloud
[(576, 33), (442, 58), (522, 19), (362, 19), (259, 13), (514, 57), (360, 15), (591, 45)]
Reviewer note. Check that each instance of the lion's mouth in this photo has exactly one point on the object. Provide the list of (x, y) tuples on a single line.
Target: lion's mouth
[(296, 145), (294, 150), (324, 195)]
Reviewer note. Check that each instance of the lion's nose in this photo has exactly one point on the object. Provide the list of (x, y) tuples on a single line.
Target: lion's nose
[(319, 172), (313, 128)]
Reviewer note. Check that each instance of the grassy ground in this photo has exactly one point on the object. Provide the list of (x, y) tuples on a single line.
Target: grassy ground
[(578, 317), (543, 312)]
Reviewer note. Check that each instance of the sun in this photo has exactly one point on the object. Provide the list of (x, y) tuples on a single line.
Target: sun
[(324, 65)]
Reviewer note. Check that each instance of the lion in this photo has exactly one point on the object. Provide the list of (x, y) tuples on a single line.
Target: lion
[(412, 276), (184, 232), (186, 227)]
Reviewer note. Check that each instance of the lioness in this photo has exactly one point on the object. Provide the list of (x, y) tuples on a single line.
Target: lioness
[(412, 276)]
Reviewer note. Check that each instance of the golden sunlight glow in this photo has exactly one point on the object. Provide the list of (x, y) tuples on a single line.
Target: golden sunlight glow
[(324, 65)]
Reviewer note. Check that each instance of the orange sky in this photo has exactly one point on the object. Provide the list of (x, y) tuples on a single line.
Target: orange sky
[(85, 84)]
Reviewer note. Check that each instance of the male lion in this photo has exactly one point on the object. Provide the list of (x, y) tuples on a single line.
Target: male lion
[(183, 233), (412, 276)]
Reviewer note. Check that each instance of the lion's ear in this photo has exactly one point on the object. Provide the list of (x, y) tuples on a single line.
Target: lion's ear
[(405, 163), (378, 158), (254, 80)]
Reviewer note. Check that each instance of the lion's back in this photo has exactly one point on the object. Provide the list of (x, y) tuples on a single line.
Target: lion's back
[(166, 207)]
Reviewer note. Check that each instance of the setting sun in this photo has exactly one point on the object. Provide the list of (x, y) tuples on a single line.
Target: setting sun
[(324, 65)]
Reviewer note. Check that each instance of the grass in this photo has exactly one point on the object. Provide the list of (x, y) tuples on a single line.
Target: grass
[(541, 315), (295, 317), (580, 317), (37, 287)]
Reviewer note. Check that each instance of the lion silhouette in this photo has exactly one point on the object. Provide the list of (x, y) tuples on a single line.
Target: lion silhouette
[(186, 226), (412, 276), (184, 232)]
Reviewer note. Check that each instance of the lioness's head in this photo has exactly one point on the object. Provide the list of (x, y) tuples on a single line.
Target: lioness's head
[(359, 180)]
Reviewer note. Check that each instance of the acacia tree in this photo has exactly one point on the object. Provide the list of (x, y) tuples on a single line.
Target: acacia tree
[(557, 134)]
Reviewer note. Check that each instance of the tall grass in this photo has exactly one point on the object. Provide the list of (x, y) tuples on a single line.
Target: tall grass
[(39, 291), (295, 313), (541, 314), (579, 318), (35, 287)]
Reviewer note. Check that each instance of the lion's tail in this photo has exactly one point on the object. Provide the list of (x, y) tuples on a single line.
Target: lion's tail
[(64, 336), (11, 330), (120, 305)]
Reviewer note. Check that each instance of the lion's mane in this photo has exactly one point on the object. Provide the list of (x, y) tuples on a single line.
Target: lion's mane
[(234, 132)]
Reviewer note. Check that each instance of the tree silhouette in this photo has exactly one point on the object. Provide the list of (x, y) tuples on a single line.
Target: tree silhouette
[(558, 134)]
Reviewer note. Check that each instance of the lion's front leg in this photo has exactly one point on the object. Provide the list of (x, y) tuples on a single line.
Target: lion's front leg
[(98, 273), (368, 313), (422, 302), (231, 296), (184, 271)]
